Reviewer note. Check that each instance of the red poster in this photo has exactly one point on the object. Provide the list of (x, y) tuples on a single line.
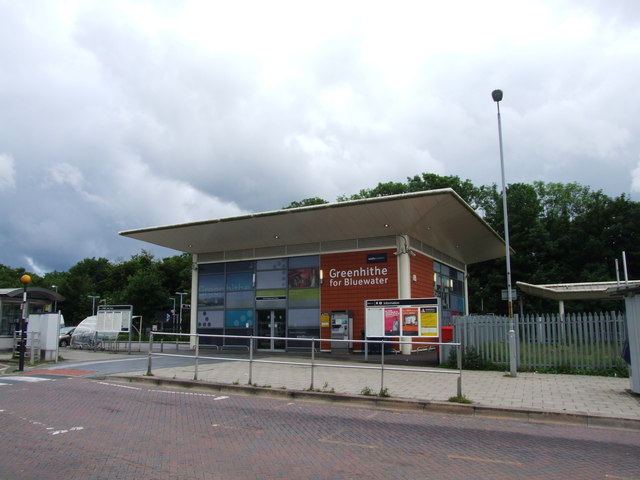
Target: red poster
[(392, 322)]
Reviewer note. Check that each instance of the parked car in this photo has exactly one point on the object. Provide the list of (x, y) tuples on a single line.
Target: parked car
[(65, 336)]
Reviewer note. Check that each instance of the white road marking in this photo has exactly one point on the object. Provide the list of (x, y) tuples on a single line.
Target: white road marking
[(119, 386), (50, 430), (72, 429), (193, 394), (27, 379)]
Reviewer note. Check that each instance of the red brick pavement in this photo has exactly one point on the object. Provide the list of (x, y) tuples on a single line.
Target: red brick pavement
[(65, 372), (76, 428)]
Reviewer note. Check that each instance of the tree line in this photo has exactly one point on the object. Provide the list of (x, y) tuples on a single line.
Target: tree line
[(560, 233), (147, 283)]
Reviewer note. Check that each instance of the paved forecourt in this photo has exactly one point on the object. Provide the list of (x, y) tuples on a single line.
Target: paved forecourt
[(582, 394), (576, 394)]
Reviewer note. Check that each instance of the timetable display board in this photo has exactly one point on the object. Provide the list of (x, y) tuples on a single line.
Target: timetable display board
[(410, 317), (114, 318)]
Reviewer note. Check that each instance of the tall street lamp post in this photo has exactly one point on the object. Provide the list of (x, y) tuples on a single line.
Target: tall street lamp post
[(93, 303), (180, 316), (25, 279), (173, 312), (497, 97), (55, 302)]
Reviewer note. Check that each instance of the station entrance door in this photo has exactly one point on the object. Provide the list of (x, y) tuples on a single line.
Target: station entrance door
[(272, 324)]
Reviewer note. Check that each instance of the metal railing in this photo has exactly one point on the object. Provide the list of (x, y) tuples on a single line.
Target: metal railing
[(313, 364), (585, 341)]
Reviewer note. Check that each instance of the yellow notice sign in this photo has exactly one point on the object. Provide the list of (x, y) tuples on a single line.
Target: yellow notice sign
[(429, 322)]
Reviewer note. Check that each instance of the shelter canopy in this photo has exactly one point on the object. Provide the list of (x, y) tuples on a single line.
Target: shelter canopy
[(35, 294), (437, 218), (577, 291)]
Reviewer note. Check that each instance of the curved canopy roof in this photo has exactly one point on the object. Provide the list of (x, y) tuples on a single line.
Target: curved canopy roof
[(578, 291), (43, 295), (438, 218)]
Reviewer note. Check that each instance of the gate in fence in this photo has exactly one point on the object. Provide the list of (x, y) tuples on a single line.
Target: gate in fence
[(584, 341)]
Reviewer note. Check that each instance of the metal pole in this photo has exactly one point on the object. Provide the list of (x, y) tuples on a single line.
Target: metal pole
[(497, 97), (25, 279), (179, 329), (195, 374), (149, 354), (250, 359), (460, 370), (173, 313), (382, 367), (93, 303), (313, 357), (55, 303)]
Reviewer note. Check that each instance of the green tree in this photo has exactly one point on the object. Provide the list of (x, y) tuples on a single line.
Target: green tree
[(10, 277), (307, 202), (88, 277), (144, 291), (382, 190)]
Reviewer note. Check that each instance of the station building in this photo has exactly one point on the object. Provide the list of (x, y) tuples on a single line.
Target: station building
[(296, 273)]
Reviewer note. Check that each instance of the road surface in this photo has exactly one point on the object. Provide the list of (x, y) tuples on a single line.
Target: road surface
[(68, 426)]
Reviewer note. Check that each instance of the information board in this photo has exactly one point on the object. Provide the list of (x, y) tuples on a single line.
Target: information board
[(411, 317), (114, 318)]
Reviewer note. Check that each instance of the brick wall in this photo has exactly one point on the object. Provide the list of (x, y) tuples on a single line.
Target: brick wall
[(422, 268), (337, 294)]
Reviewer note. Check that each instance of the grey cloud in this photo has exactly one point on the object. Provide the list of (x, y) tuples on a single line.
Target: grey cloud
[(111, 122)]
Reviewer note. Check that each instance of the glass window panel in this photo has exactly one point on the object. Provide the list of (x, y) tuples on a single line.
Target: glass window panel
[(210, 319), (240, 266), (239, 319), (271, 279), (239, 281), (237, 341), (204, 341), (211, 300), (302, 333), (276, 292), (271, 304), (240, 299), (303, 278), (301, 262), (304, 318), (211, 283), (272, 264), (206, 268), (460, 305), (304, 297)]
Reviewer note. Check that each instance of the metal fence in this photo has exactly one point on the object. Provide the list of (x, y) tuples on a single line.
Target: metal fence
[(312, 363), (584, 341), (32, 345)]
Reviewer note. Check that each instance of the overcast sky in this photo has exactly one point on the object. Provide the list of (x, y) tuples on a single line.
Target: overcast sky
[(118, 115)]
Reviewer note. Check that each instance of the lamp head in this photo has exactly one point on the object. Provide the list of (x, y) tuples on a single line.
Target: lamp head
[(25, 279), (496, 95)]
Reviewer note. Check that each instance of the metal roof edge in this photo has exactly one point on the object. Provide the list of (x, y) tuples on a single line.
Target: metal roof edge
[(324, 206)]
